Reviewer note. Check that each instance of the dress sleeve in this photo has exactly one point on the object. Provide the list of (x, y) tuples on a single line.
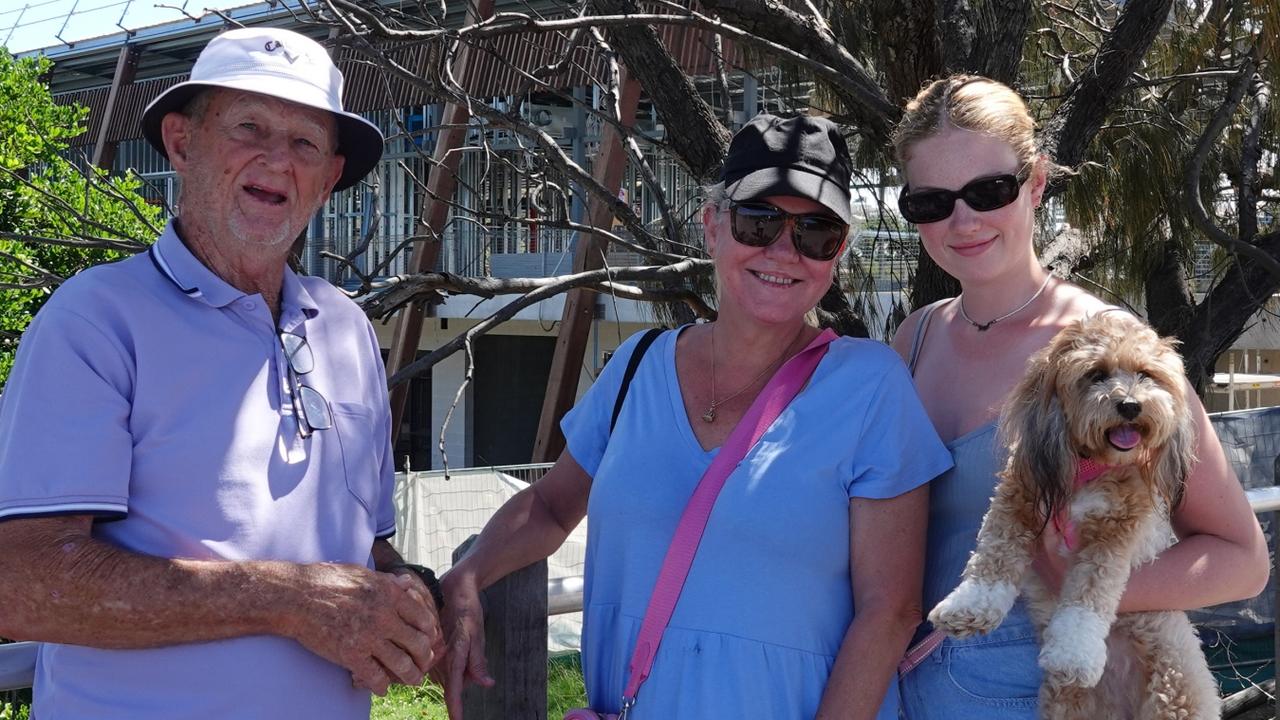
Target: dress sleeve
[(65, 443), (586, 426), (898, 449)]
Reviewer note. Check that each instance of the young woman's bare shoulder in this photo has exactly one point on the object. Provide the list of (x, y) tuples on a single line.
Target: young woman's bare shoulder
[(906, 331), (1073, 303)]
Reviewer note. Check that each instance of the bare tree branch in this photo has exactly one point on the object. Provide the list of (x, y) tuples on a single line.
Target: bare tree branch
[(81, 242), (874, 113), (702, 141), (1191, 184), (1251, 159), (557, 286)]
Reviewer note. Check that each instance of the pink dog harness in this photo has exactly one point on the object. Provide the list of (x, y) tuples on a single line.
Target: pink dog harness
[(1087, 471)]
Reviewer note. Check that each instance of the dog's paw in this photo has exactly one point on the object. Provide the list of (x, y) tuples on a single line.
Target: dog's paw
[(1074, 648), (973, 608)]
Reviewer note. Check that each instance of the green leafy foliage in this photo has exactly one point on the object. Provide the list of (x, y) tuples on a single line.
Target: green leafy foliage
[(1130, 198), (91, 216)]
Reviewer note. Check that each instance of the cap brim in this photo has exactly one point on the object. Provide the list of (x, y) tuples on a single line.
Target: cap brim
[(766, 182), (360, 143)]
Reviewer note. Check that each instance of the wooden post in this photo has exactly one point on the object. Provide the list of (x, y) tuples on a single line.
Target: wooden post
[(515, 641), (579, 305), (441, 183), (104, 153)]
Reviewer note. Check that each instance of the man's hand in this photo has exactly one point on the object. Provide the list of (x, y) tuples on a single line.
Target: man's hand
[(381, 627), (416, 587)]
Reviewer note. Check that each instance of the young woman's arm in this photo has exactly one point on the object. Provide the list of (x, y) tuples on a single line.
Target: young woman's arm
[(1221, 554)]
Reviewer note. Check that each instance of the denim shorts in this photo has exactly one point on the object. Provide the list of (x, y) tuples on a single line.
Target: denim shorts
[(989, 677)]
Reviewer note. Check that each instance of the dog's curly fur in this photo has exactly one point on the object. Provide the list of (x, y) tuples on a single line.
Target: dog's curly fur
[(1098, 382)]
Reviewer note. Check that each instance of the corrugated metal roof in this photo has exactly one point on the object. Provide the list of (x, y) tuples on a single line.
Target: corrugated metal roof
[(498, 66)]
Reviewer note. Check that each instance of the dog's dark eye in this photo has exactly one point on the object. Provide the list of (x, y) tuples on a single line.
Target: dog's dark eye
[(1096, 376), (1143, 376)]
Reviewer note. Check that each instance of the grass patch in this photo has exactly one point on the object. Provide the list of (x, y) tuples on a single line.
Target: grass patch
[(564, 692)]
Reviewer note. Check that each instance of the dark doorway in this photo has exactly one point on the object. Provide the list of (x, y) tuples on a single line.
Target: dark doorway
[(510, 382), (416, 435)]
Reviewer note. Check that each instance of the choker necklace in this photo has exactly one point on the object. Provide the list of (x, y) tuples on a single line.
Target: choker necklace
[(983, 327), (710, 414)]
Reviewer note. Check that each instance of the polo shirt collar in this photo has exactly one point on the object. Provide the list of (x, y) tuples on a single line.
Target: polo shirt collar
[(293, 294), (176, 262)]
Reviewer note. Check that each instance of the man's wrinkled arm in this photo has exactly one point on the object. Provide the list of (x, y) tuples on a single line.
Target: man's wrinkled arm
[(62, 585)]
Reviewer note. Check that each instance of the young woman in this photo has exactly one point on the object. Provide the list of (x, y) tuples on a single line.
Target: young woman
[(975, 177), (804, 590)]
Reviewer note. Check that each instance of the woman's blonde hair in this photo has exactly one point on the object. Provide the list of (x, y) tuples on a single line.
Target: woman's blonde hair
[(976, 104)]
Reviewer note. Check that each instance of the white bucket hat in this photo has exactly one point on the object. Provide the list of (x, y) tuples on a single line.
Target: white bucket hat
[(282, 64)]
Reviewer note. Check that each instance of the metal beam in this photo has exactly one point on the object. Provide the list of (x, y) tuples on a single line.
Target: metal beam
[(434, 201), (579, 305), (104, 153)]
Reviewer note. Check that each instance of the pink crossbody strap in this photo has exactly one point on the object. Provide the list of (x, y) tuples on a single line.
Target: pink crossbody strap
[(782, 388)]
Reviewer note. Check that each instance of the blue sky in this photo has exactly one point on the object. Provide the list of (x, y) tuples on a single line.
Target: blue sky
[(30, 24)]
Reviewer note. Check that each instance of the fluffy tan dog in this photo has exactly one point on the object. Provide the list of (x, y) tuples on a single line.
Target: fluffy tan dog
[(1100, 444)]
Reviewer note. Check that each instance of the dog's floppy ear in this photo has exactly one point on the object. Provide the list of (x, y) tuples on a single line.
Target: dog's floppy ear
[(1034, 428), (1173, 461)]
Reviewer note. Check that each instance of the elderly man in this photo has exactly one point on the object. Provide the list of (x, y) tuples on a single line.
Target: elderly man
[(195, 472)]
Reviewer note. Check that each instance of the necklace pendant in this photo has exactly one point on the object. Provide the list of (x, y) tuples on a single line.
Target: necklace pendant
[(710, 414), (983, 327)]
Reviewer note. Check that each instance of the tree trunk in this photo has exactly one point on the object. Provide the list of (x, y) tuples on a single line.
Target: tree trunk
[(1170, 305), (909, 53), (835, 312), (1220, 318), (1095, 93), (931, 283), (984, 36)]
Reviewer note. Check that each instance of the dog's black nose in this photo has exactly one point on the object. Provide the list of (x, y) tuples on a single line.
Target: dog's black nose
[(1129, 409)]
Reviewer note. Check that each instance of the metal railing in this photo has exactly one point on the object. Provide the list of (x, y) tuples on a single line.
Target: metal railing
[(564, 595)]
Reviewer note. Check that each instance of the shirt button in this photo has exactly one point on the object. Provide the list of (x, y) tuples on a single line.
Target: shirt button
[(248, 305)]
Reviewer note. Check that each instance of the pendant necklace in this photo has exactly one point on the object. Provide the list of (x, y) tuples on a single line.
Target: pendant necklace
[(982, 327), (710, 414)]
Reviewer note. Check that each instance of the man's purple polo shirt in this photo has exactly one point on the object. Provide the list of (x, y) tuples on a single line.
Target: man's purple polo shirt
[(149, 393)]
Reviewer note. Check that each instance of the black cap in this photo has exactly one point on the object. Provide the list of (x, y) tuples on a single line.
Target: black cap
[(801, 156)]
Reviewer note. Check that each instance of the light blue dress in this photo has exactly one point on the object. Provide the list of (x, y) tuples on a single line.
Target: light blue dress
[(768, 599), (989, 677)]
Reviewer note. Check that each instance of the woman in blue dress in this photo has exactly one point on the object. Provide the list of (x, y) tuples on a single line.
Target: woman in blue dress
[(975, 177), (805, 588)]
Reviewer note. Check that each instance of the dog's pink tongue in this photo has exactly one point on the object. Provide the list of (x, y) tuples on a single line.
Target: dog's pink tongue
[(1124, 437)]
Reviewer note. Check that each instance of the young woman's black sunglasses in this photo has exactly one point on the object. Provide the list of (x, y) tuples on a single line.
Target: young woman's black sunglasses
[(984, 194), (815, 235)]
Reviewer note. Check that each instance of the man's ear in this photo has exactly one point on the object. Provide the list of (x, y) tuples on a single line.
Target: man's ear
[(335, 171), (175, 130)]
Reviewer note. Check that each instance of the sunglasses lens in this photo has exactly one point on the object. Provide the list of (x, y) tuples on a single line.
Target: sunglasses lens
[(314, 408), (297, 352), (756, 224), (926, 207), (818, 237), (991, 193)]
